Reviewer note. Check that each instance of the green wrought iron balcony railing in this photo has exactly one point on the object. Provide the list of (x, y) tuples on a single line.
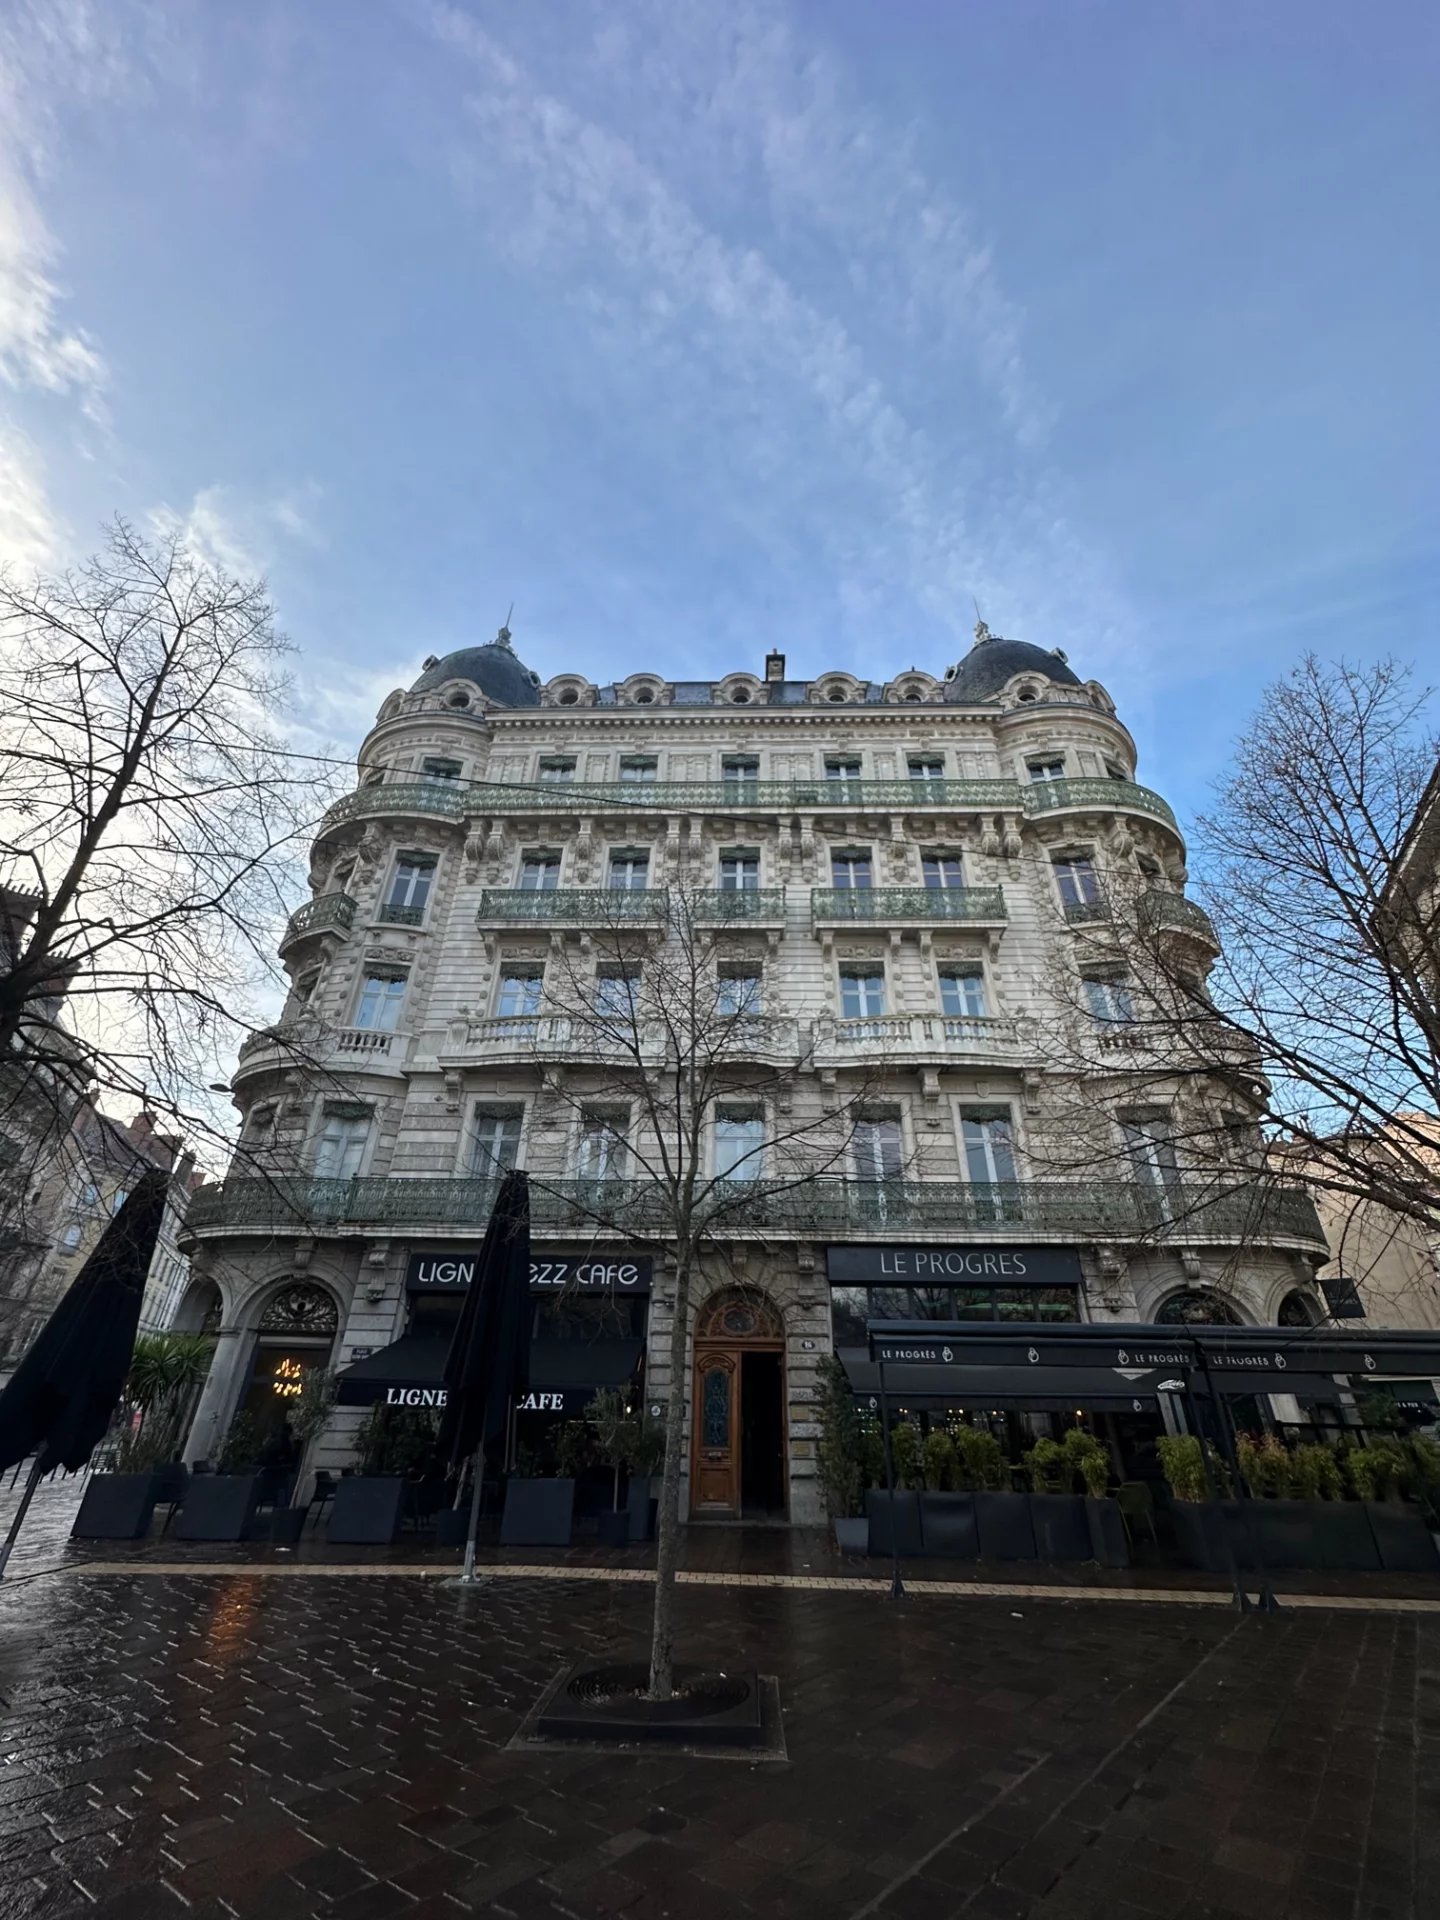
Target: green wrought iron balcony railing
[(1173, 912), (888, 904), (454, 799), (824, 1208), (571, 906), (1050, 796), (392, 915), (326, 913), (723, 906)]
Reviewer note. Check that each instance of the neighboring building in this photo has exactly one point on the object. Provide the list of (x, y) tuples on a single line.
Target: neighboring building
[(925, 855), (1410, 905), (82, 1183)]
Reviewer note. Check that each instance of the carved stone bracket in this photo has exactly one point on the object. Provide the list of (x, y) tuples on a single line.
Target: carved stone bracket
[(454, 1090), (378, 1254), (1030, 1091), (304, 1249), (1190, 1261)]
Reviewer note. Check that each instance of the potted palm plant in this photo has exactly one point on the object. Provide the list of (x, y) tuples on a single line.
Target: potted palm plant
[(166, 1371), (840, 1456)]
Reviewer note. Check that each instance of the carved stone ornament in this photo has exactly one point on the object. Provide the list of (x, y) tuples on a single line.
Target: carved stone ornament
[(454, 1092), (474, 856)]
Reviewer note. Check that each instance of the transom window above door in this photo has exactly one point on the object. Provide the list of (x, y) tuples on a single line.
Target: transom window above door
[(862, 992), (539, 871), (850, 869), (942, 870)]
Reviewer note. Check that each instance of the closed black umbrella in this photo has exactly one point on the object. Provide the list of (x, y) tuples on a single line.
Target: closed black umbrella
[(488, 1364), (60, 1399)]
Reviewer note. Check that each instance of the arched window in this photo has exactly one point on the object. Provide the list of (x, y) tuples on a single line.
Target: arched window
[(301, 1308), (1298, 1310), (737, 1314), (1197, 1307)]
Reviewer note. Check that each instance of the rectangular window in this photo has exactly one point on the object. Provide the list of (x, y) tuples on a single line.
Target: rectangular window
[(926, 767), (1049, 768), (738, 990), (519, 992), (843, 769), (378, 1007), (862, 992), (1108, 998), (638, 772), (409, 888), (739, 1138), (556, 772), (341, 1146), (877, 1150), (1151, 1147), (1075, 877), (616, 989), (1115, 771), (942, 871), (740, 871), (629, 870), (433, 769), (850, 871), (962, 991), (71, 1235), (601, 1153), (539, 872), (737, 769), (989, 1142), (495, 1145)]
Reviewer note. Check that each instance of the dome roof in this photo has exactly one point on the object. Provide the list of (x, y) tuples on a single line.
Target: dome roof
[(992, 661), (493, 668)]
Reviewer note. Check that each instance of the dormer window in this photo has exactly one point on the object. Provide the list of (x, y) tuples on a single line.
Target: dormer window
[(459, 698), (568, 696), (645, 697)]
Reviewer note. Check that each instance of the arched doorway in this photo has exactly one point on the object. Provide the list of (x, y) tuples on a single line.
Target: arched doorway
[(738, 1409), (297, 1330)]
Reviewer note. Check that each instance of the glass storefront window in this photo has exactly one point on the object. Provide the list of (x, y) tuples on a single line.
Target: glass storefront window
[(851, 1307)]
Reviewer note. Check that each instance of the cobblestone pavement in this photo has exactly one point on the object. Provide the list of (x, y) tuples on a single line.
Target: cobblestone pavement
[(219, 1743)]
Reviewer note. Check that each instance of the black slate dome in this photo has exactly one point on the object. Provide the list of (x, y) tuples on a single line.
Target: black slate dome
[(493, 668), (992, 661)]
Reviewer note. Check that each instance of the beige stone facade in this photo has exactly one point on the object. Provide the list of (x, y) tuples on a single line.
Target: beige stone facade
[(949, 841)]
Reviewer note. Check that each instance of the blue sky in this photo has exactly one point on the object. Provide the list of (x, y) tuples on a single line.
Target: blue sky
[(695, 329)]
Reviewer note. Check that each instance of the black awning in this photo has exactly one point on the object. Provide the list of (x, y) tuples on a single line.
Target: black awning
[(564, 1374), (1039, 1389)]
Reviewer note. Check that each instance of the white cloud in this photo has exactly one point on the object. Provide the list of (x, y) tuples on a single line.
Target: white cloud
[(31, 536), (242, 535)]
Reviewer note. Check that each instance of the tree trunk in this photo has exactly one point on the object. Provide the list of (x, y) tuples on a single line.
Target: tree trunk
[(667, 1526)]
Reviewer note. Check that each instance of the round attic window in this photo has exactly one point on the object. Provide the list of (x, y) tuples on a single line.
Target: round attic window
[(568, 696), (836, 694), (1025, 693), (645, 697), (459, 698), (740, 697)]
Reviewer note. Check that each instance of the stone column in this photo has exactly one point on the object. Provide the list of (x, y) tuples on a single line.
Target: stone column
[(217, 1396)]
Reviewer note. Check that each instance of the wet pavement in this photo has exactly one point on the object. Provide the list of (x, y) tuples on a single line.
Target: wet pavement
[(218, 1742)]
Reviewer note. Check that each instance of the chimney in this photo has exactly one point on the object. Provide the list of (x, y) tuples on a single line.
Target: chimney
[(774, 667)]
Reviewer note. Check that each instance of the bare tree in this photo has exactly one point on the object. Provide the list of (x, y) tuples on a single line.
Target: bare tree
[(1287, 1018), (150, 819), (646, 1033)]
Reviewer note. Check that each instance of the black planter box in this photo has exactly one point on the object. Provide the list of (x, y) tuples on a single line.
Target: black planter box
[(1347, 1542), (1006, 1530), (612, 1529), (1402, 1539), (218, 1506), (1198, 1534), (116, 1506), (1061, 1529), (538, 1513), (285, 1524), (1281, 1533), (1109, 1542), (452, 1526), (852, 1533), (947, 1521), (367, 1510), (640, 1503), (894, 1522)]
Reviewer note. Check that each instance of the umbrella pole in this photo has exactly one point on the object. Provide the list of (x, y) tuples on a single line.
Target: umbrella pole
[(467, 1575), (20, 1512)]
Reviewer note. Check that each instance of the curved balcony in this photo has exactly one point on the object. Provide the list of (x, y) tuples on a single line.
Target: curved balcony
[(915, 906), (1058, 796), (521, 1039), (414, 799), (571, 907), (1172, 913), (318, 1049), (824, 1208), (326, 913)]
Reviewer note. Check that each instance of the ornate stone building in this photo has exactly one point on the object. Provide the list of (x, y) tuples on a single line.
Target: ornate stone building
[(924, 863)]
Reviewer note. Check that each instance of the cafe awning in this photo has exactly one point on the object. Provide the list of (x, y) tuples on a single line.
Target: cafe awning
[(564, 1374), (1038, 1390)]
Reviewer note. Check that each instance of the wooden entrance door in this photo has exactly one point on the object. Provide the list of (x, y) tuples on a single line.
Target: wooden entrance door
[(729, 1326)]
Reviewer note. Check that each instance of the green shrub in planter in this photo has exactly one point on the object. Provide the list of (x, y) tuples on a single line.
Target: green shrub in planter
[(872, 1454), (842, 1450), (905, 1454), (1049, 1467), (1314, 1473), (940, 1462), (1183, 1465), (1375, 1472), (1085, 1455), (1265, 1466), (982, 1464)]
